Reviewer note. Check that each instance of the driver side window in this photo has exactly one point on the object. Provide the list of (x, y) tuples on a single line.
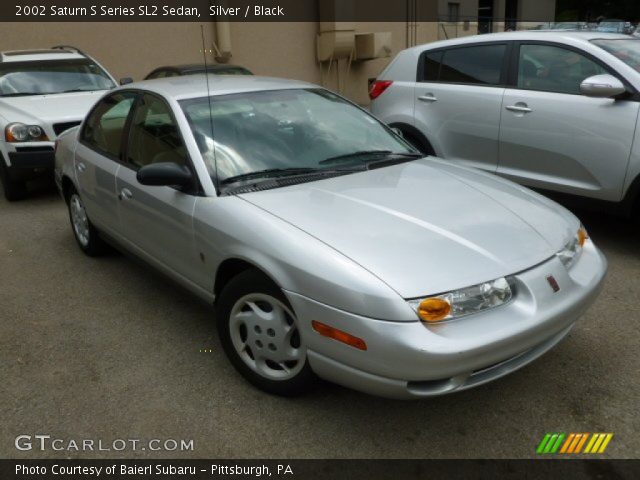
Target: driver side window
[(154, 136), (554, 69), (104, 126)]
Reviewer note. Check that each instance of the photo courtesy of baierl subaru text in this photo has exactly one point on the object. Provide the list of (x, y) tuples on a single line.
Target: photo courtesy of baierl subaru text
[(320, 239)]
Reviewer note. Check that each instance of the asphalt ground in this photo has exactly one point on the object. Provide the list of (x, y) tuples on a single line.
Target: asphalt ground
[(109, 349)]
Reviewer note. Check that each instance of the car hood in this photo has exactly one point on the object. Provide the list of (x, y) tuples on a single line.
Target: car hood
[(48, 109), (425, 227)]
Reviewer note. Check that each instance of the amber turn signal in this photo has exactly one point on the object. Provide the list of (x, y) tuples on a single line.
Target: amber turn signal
[(339, 335), (582, 236), (433, 309)]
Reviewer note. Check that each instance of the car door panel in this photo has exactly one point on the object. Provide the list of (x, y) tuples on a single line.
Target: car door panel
[(96, 181), (464, 120), (568, 143), (553, 137), (458, 100), (159, 221)]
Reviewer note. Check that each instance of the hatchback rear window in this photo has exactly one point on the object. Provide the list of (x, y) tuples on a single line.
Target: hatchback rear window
[(477, 65)]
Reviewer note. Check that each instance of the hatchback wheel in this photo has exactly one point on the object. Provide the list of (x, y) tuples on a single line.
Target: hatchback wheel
[(83, 230), (260, 335)]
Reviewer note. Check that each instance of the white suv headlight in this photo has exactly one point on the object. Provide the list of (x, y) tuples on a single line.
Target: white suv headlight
[(19, 132), (572, 250), (466, 301)]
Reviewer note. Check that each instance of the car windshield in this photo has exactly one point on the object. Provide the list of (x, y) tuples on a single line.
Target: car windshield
[(48, 77), (627, 50), (286, 131)]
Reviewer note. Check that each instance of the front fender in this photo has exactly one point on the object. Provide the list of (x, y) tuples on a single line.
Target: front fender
[(232, 228)]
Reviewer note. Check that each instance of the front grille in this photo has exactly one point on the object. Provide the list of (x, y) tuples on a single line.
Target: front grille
[(58, 128)]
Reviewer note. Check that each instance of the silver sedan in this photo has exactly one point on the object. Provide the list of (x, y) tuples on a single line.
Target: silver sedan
[(328, 246)]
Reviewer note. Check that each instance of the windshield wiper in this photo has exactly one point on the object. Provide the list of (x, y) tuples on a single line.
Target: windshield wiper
[(73, 90), (269, 172), (363, 153)]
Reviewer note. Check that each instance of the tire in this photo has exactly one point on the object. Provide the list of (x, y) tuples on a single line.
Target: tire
[(86, 235), (13, 190), (268, 352)]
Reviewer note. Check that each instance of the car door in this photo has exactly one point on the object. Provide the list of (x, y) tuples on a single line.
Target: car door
[(98, 155), (553, 137), (157, 221), (458, 98)]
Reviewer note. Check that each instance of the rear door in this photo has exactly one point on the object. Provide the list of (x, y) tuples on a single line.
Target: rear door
[(458, 99), (98, 157), (553, 137)]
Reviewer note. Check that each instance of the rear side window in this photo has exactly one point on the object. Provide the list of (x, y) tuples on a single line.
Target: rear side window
[(476, 65), (431, 66)]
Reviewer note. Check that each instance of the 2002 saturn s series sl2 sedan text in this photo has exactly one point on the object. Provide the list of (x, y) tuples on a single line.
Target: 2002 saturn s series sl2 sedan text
[(329, 246)]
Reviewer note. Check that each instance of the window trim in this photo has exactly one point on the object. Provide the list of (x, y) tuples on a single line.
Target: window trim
[(503, 71), (93, 148), (514, 65), (197, 186)]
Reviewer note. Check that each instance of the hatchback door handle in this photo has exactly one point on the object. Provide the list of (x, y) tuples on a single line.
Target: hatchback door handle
[(81, 167), (520, 108), (429, 97), (125, 194)]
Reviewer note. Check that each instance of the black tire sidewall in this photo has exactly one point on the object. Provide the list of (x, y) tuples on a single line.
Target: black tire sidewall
[(248, 282)]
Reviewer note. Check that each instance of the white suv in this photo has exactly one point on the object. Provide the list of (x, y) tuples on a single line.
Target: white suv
[(42, 94), (556, 111)]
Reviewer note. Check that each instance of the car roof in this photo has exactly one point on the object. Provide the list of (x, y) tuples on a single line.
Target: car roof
[(39, 55), (543, 35), (193, 86)]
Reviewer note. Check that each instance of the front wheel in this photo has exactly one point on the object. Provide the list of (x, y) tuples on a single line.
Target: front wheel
[(260, 335), (83, 230)]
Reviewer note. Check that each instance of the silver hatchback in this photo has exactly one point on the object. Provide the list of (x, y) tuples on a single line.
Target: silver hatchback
[(556, 111)]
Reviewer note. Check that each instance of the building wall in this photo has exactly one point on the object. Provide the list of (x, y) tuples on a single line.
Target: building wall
[(286, 49), (125, 49)]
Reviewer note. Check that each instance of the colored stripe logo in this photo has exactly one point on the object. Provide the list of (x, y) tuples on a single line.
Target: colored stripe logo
[(574, 443)]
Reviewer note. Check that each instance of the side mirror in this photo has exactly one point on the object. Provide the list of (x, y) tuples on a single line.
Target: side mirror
[(167, 174), (126, 80), (602, 86), (397, 131)]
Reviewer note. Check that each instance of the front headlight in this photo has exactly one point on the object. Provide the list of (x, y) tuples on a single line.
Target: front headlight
[(572, 250), (19, 132), (466, 301)]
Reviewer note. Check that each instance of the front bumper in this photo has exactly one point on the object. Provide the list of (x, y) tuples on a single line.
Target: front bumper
[(32, 162), (413, 360)]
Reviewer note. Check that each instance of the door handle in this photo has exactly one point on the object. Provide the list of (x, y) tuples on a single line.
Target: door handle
[(81, 167), (125, 194), (520, 108), (429, 97)]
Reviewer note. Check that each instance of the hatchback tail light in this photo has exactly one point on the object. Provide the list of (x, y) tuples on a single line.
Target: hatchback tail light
[(378, 87)]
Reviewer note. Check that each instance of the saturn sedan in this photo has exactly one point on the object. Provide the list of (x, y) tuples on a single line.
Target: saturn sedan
[(329, 246)]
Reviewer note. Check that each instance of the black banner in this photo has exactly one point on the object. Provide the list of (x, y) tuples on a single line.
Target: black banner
[(237, 11), (319, 469)]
